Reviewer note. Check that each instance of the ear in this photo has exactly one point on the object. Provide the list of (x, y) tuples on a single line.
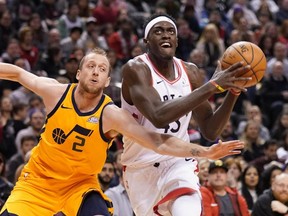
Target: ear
[(107, 82), (78, 74), (177, 42), (145, 40)]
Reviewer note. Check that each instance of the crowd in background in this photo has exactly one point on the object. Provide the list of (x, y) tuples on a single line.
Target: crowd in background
[(49, 37)]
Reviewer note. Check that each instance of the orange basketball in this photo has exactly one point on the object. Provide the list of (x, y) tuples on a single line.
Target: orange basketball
[(251, 55)]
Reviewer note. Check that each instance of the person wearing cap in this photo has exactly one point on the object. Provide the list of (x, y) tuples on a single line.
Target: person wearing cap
[(160, 91), (218, 198)]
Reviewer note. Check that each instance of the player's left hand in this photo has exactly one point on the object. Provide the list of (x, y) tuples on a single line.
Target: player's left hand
[(223, 149)]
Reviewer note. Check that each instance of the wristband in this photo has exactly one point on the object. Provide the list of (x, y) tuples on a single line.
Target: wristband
[(217, 86), (235, 92)]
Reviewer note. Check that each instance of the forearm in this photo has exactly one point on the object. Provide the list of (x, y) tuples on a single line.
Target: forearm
[(218, 120), (9, 72), (169, 145), (181, 106)]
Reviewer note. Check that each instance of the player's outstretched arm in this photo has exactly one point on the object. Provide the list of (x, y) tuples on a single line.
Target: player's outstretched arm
[(117, 119), (49, 89)]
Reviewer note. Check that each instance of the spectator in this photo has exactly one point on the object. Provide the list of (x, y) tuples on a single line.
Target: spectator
[(54, 38), (218, 198), (12, 51), (123, 40), (266, 45), (282, 152), (49, 13), (5, 186), (36, 102), (254, 143), (274, 201), (282, 14), (22, 10), (114, 89), (242, 32), (274, 92), (269, 149), (203, 165), (90, 38), (248, 13), (106, 12), (186, 41), (84, 8), (37, 119), (250, 185), (20, 167), (120, 199), (211, 43), (28, 50), (254, 113), (107, 174), (234, 172), (19, 115), (69, 43), (39, 32), (269, 174), (6, 30), (52, 63), (280, 54), (118, 167), (7, 146), (70, 20), (280, 125), (27, 144), (283, 37), (71, 67)]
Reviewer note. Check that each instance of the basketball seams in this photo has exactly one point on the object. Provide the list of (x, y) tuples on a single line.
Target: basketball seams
[(243, 58), (250, 54), (252, 68)]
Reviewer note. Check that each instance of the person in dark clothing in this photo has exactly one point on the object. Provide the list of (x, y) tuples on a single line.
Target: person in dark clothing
[(274, 201)]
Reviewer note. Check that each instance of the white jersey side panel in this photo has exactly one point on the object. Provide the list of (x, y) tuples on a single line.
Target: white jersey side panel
[(136, 155)]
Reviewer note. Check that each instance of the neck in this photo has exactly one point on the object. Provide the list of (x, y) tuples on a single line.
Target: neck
[(86, 101), (220, 191), (164, 66)]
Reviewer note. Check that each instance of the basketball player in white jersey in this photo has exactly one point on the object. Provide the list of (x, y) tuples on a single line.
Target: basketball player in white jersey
[(161, 92)]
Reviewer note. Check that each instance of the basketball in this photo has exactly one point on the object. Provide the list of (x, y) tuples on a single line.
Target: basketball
[(251, 55)]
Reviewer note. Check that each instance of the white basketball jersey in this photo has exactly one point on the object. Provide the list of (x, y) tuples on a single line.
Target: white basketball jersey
[(136, 155)]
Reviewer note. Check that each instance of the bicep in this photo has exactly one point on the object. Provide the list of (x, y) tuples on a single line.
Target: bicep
[(50, 90), (137, 89)]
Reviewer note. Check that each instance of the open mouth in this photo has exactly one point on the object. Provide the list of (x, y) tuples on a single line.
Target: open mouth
[(165, 45)]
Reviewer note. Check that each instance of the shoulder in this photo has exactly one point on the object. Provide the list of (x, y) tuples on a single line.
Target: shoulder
[(206, 191), (193, 73), (135, 67)]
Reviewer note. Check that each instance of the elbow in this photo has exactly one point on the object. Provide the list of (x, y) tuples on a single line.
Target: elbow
[(210, 136), (159, 121)]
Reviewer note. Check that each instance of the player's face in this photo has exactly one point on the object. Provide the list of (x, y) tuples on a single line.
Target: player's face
[(162, 40), (94, 74)]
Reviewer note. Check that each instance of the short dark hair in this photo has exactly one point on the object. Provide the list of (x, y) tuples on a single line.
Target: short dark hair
[(28, 138), (270, 142)]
